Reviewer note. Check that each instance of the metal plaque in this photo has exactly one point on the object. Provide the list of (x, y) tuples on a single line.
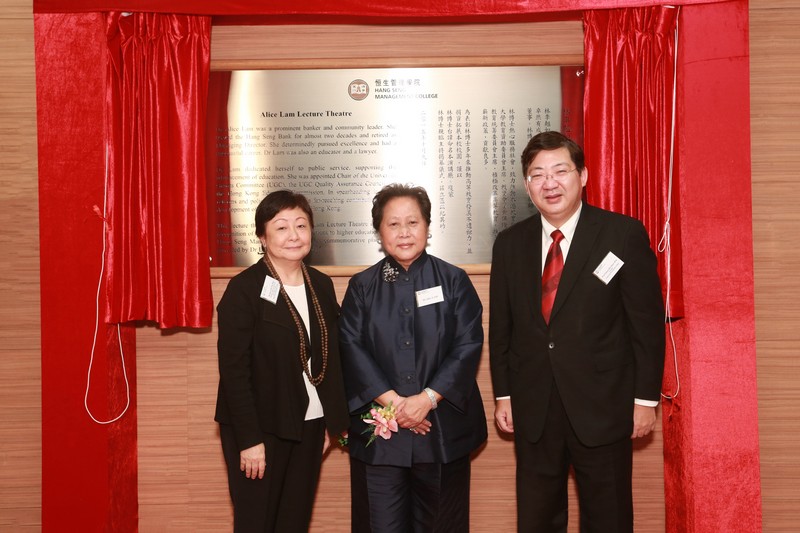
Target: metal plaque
[(338, 136)]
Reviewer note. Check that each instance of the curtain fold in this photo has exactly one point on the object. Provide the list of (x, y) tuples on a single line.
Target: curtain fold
[(220, 231), (157, 259), (629, 60), (572, 90)]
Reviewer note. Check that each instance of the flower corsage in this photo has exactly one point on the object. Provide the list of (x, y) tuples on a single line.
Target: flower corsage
[(384, 421)]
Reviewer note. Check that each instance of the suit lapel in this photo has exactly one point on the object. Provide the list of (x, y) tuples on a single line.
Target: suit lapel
[(278, 312), (532, 263), (280, 315), (582, 243)]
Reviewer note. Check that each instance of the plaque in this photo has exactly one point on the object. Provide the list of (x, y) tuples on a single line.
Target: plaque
[(339, 135)]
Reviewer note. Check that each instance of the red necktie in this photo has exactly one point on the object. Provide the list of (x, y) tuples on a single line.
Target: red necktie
[(553, 266)]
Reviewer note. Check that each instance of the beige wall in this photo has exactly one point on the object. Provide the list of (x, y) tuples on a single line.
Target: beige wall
[(775, 152), (187, 492), (20, 388)]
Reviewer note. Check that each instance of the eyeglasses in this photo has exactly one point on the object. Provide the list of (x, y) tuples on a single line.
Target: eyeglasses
[(559, 175)]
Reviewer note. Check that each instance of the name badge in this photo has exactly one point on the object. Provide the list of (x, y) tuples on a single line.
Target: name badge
[(608, 268), (270, 290), (429, 296)]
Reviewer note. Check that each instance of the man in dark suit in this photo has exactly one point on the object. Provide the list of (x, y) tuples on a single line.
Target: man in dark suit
[(577, 362)]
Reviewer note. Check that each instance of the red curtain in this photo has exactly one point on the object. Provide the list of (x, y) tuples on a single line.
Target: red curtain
[(350, 10), (572, 90), (88, 470), (220, 232), (157, 262), (629, 60)]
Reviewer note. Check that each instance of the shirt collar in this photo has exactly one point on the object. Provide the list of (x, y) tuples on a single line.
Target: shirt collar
[(567, 228)]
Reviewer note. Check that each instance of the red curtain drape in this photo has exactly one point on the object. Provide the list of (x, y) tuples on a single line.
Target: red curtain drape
[(318, 10), (75, 451), (157, 259), (572, 90), (629, 60), (220, 232)]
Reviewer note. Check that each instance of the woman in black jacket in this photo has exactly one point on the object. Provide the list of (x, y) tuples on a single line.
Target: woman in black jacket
[(280, 393)]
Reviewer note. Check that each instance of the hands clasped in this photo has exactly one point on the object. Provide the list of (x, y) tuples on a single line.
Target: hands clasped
[(411, 413)]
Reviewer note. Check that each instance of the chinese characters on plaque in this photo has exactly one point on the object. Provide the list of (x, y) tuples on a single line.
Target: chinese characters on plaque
[(338, 136)]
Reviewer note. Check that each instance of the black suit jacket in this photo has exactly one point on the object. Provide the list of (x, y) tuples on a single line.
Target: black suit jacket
[(604, 345), (261, 389)]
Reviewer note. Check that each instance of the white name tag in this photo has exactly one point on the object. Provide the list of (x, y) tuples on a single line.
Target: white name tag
[(270, 290), (608, 268), (429, 296)]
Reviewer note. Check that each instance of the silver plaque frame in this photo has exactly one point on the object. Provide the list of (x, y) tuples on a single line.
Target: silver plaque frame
[(339, 135)]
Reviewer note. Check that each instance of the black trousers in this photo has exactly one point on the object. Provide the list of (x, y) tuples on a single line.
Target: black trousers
[(283, 500), (602, 475), (423, 498)]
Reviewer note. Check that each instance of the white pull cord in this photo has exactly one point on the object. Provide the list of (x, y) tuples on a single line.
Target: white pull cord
[(97, 319), (664, 245)]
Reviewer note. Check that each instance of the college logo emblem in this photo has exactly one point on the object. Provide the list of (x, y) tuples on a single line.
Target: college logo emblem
[(358, 89)]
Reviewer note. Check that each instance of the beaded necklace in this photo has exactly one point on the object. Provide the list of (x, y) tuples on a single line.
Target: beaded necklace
[(301, 332)]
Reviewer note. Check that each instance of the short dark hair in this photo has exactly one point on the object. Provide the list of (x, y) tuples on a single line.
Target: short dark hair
[(277, 201), (551, 140), (395, 190)]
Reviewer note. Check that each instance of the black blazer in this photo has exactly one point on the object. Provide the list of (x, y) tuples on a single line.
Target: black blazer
[(261, 389), (605, 343)]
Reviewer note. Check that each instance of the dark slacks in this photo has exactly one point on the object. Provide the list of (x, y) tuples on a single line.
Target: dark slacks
[(602, 475), (426, 497), (283, 500)]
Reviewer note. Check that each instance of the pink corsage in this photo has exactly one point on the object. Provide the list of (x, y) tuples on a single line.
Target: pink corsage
[(383, 420)]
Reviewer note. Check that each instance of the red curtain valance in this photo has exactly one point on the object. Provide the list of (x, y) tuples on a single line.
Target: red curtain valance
[(319, 9)]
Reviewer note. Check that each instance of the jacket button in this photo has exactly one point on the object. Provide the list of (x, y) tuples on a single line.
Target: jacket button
[(551, 345)]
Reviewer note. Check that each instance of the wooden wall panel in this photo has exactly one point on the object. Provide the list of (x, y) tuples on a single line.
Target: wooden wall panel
[(348, 46), (20, 340), (775, 134)]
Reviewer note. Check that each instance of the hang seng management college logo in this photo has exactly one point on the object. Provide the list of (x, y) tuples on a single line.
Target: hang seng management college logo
[(358, 89)]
